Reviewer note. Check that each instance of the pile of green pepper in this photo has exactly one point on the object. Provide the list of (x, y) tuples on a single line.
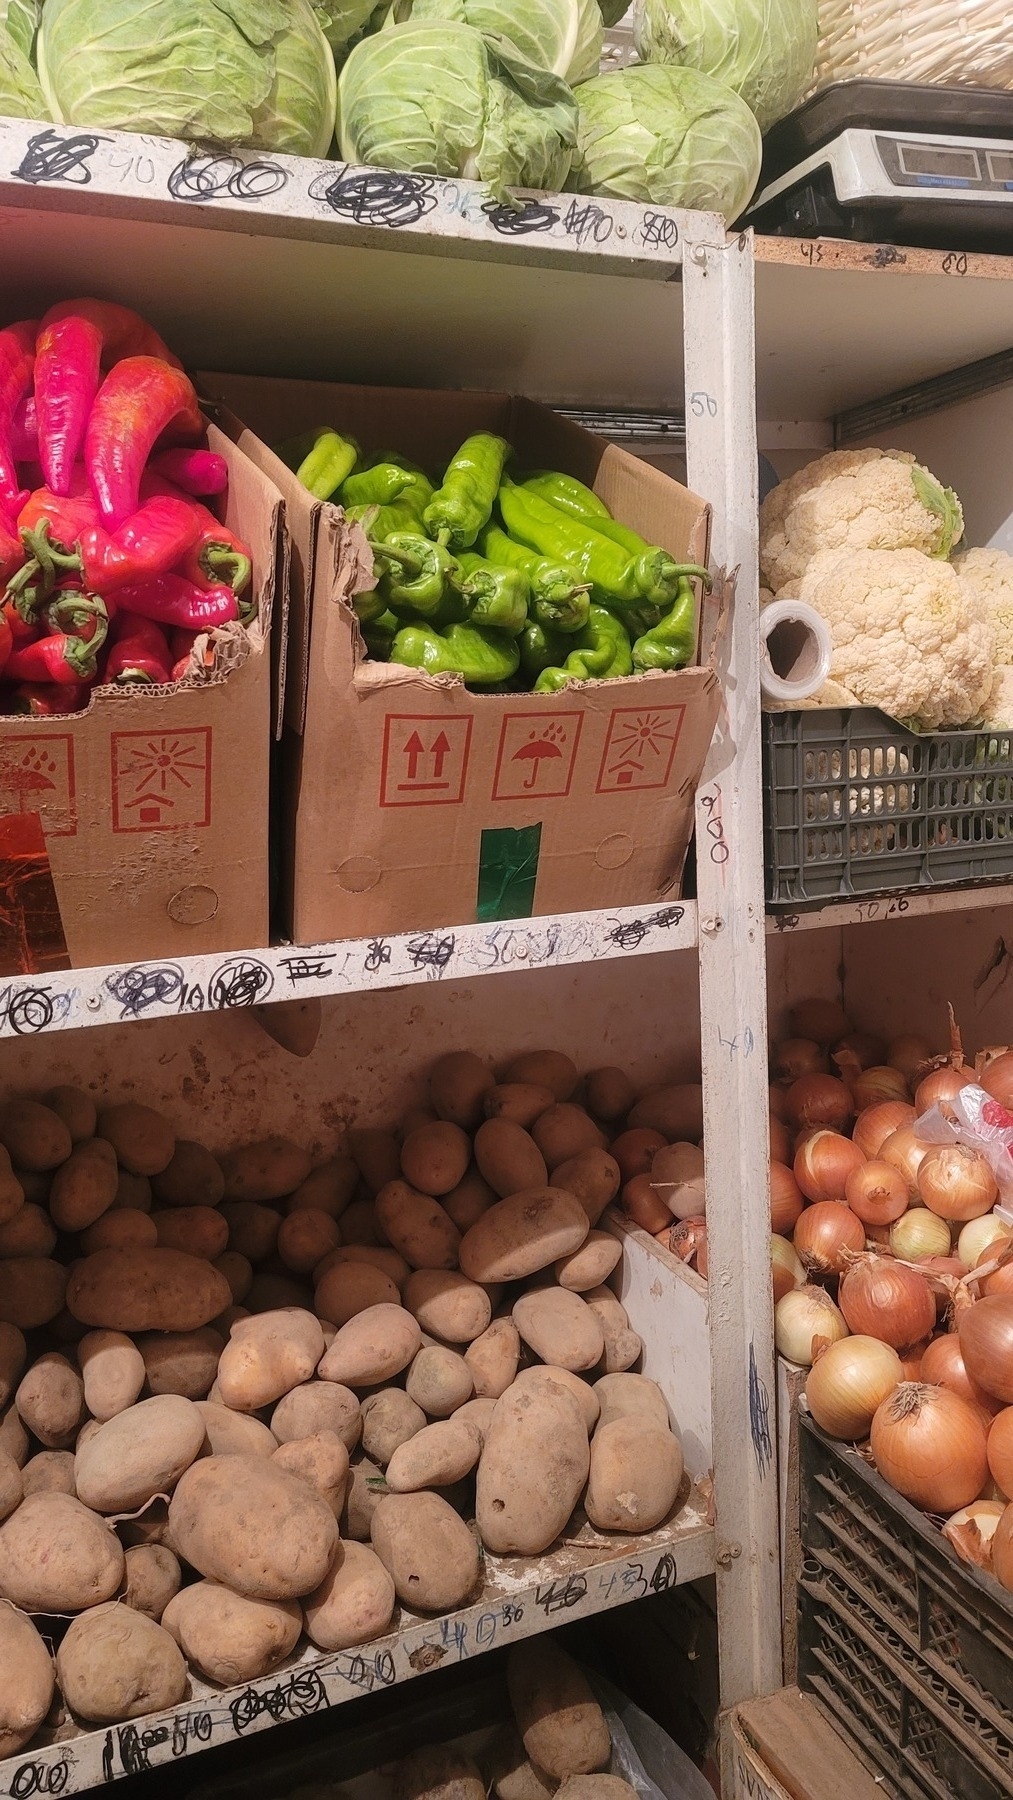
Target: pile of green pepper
[(514, 585)]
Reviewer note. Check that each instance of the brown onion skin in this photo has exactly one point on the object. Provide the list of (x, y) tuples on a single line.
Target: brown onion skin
[(793, 1057), (985, 1330), (785, 1200), (876, 1193), (642, 1205), (868, 1051), (922, 1476), (942, 1365), (776, 1095), (904, 1153), (877, 1123), (941, 1086), (911, 1362), (825, 1234), (780, 1141), (937, 1193), (635, 1150), (910, 1055), (865, 1292), (997, 1080), (824, 1162), (1001, 1280), (874, 1087), (819, 1100), (1000, 1449)]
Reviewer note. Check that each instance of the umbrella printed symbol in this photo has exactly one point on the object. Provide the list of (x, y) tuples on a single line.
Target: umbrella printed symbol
[(537, 749), (536, 757), (36, 775)]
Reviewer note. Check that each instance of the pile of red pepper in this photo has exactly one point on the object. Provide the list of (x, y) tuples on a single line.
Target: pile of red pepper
[(112, 561)]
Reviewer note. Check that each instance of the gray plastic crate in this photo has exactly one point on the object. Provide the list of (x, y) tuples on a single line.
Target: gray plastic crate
[(856, 805)]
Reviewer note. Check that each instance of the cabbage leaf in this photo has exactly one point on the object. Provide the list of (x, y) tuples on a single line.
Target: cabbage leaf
[(563, 36), (763, 49), (21, 19), (21, 97)]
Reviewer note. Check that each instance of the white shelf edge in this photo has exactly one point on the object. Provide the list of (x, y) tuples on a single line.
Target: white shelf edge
[(121, 993), (876, 910), (131, 176), (520, 1598)]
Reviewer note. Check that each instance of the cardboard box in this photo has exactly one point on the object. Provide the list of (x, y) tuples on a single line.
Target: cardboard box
[(419, 804), (153, 805)]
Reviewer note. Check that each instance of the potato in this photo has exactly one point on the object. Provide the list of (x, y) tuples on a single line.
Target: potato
[(523, 1234), (448, 1305), (153, 1576), (149, 1527), (13, 1189), (57, 1557), (543, 1068), (439, 1381), (317, 1406), (113, 1371), (377, 1157), (465, 1204), (477, 1413), (609, 1093), (592, 1264), (417, 1226), (13, 1357), (13, 1437), (305, 1237), (458, 1084), (278, 1293), (562, 1726), (434, 1158), (50, 1400), (32, 1291), (542, 1374), (634, 1151), (267, 1170), (509, 1774), (34, 1183), (267, 1356), (597, 1787), (198, 1230), (34, 1136), (235, 1434), (622, 1346), (374, 1346), (634, 1478), (675, 1110), (120, 1229), (438, 1772), (493, 1358), (143, 1140), (358, 1224), (413, 1118), (247, 1523), (375, 1256), (560, 1328), (182, 1362), (509, 1158), (328, 1188), (592, 1177), (253, 1229), (84, 1187), (365, 1491), (231, 1638), (350, 1288), (12, 1484), (434, 1458), (564, 1131), (49, 1472), (644, 1206), (133, 1193), (389, 1419), (145, 1290), (238, 1272), (532, 1470), (320, 1461), (192, 1177), (521, 1102), (354, 1603), (426, 1548), (138, 1454), (623, 1396), (27, 1681), (116, 1664), (77, 1110), (29, 1233)]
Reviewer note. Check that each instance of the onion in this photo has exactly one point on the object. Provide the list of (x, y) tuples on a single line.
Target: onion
[(978, 1235), (702, 1263), (943, 1366), (904, 1152), (644, 1206), (635, 1151), (819, 1100), (822, 1020), (1002, 1549), (997, 1080), (868, 1051), (826, 1234), (1000, 1450), (956, 1182), (1001, 1279), (918, 1234), (798, 1056), (787, 1271), (930, 1445), (911, 1362), (877, 1123), (785, 1200), (972, 1529), (776, 1094), (677, 1178), (942, 1086), (823, 1164), (802, 1319), (683, 1239), (880, 1298), (909, 1055), (848, 1381), (985, 1329), (780, 1141), (875, 1086), (876, 1193)]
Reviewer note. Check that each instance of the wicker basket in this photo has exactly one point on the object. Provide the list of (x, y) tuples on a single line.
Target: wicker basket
[(969, 41)]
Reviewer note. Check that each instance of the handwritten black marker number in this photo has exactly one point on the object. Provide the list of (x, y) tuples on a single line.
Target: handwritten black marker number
[(297, 1698), (203, 177), (520, 221), (39, 1778), (658, 231), (376, 196), (32, 1009), (52, 158), (242, 981), (134, 990), (588, 223)]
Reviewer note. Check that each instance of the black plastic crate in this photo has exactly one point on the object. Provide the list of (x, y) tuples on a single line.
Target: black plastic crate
[(856, 805), (909, 1649)]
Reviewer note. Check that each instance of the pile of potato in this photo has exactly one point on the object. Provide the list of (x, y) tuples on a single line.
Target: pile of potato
[(244, 1397)]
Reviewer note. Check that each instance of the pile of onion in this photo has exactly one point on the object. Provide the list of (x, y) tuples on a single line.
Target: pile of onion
[(931, 1446)]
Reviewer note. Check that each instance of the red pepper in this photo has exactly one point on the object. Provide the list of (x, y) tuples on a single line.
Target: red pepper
[(65, 660), (25, 431), (43, 700), (68, 515), (76, 614), (140, 654), (17, 361), (218, 555), (156, 537), (6, 640), (195, 471), (23, 631), (174, 601), (138, 400), (181, 641), (77, 339), (12, 553)]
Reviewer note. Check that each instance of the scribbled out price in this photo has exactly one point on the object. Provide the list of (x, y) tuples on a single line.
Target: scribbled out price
[(561, 1596)]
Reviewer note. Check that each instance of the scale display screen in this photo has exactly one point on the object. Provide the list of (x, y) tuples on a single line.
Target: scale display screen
[(940, 159), (1000, 165), (926, 163)]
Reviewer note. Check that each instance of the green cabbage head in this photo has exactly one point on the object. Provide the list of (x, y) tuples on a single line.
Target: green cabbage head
[(671, 136), (563, 36), (21, 97), (442, 99), (229, 72), (343, 21), (764, 49), (21, 19)]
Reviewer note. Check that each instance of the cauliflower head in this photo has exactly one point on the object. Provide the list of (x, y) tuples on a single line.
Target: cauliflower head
[(855, 500), (999, 705), (906, 636), (988, 577)]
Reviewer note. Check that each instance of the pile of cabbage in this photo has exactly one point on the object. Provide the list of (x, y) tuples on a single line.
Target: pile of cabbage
[(506, 92)]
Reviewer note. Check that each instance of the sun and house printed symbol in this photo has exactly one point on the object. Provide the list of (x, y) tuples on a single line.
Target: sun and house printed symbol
[(161, 781)]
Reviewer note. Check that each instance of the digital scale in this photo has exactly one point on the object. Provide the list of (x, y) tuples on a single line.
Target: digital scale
[(889, 161)]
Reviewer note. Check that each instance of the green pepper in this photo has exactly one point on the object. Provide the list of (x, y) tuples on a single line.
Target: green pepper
[(463, 504), (557, 599), (386, 482), (369, 606), (601, 653), (541, 647), (671, 644), (484, 658), (569, 495), (402, 514), (499, 597), (628, 573), (415, 573), (379, 634), (321, 459)]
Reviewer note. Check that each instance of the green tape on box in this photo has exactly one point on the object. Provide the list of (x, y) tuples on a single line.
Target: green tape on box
[(507, 872)]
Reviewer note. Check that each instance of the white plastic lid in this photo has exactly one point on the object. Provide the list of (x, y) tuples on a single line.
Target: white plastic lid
[(793, 635)]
